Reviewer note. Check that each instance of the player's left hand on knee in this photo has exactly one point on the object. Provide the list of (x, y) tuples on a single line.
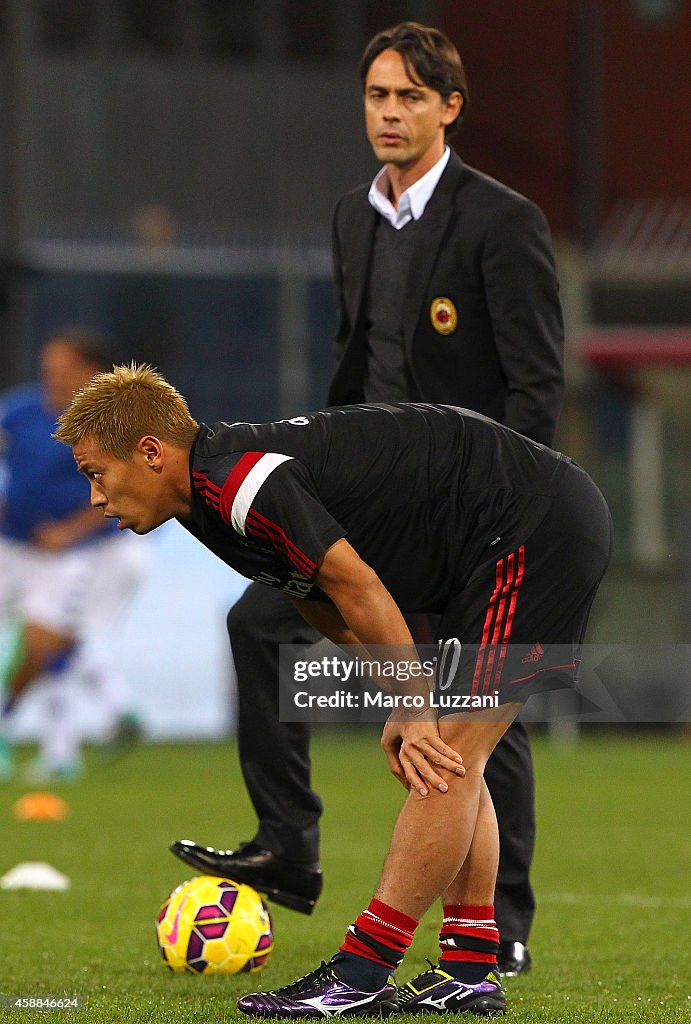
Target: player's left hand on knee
[(416, 754)]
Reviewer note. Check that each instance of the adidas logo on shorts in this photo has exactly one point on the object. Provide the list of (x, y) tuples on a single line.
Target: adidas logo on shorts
[(535, 654)]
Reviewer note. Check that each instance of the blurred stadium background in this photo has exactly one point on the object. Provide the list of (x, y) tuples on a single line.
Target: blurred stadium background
[(167, 173)]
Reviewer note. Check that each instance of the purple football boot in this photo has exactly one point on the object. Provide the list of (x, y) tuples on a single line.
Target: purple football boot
[(321, 993), (435, 991)]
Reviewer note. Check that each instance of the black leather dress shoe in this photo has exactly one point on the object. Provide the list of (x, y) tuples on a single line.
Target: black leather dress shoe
[(292, 885), (513, 958)]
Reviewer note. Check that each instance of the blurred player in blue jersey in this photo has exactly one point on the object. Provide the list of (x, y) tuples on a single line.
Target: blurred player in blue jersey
[(53, 593)]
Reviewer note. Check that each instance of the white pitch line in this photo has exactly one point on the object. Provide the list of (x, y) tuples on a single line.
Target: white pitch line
[(622, 899)]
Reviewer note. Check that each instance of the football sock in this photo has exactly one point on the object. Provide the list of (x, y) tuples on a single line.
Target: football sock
[(374, 946), (359, 973), (469, 942), (107, 681), (59, 737)]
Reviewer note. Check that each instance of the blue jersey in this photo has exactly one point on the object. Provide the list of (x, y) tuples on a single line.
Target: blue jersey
[(40, 480)]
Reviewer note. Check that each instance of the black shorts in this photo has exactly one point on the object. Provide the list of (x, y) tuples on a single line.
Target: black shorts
[(521, 618)]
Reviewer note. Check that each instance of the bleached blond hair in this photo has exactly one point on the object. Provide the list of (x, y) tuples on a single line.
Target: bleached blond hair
[(117, 408)]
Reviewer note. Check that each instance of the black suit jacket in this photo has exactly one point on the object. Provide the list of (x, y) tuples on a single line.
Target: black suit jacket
[(488, 250)]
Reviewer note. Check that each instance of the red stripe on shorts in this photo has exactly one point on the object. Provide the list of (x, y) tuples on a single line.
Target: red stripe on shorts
[(499, 617)]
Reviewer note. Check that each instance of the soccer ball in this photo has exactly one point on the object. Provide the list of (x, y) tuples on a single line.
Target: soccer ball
[(214, 926)]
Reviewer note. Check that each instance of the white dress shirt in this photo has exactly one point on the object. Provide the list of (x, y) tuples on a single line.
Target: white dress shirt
[(413, 201)]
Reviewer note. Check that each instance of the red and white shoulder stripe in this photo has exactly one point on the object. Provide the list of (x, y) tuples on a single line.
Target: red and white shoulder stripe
[(243, 483)]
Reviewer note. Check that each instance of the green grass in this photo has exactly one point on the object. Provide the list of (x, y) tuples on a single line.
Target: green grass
[(612, 870)]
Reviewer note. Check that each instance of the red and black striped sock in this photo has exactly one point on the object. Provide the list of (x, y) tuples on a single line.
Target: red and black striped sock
[(374, 945), (469, 942)]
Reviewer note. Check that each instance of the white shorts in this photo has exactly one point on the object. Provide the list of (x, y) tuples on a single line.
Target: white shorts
[(75, 592)]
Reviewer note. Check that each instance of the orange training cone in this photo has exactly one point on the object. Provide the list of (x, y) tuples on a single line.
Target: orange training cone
[(40, 807)]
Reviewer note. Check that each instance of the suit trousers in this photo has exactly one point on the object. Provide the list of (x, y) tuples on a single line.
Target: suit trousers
[(275, 760)]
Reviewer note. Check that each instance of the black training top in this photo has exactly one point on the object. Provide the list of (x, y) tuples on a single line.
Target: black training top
[(426, 494)]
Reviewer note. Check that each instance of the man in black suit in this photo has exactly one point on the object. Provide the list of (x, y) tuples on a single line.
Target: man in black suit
[(447, 293)]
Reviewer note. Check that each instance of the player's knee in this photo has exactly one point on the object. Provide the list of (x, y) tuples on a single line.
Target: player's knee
[(474, 744), (474, 770)]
